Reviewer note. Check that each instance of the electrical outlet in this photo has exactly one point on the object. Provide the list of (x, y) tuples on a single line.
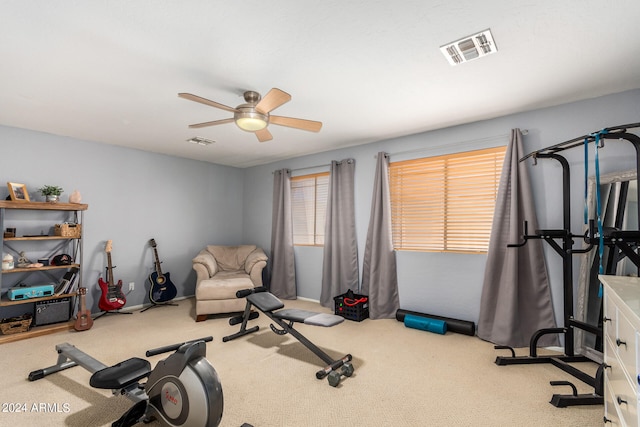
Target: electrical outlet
[(132, 286)]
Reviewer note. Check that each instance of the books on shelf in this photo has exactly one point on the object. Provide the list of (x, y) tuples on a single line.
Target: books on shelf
[(68, 282)]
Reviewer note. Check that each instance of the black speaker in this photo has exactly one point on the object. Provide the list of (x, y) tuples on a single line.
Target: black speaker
[(53, 311)]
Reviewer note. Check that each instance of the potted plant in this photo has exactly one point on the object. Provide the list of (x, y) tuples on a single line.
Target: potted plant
[(51, 192)]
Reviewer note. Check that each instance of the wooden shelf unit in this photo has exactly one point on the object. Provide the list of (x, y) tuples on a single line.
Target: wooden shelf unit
[(37, 331), (43, 268), (43, 237), (41, 206), (4, 301)]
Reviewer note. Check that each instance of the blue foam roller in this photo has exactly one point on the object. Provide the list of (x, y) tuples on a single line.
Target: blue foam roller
[(425, 324)]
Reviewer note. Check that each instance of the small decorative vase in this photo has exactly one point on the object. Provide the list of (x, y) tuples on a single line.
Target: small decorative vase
[(75, 197), (52, 198), (7, 262)]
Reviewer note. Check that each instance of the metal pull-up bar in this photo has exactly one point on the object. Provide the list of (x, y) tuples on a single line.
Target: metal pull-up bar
[(606, 133)]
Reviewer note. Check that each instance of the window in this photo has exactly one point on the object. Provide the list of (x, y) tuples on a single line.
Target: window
[(445, 203), (308, 206)]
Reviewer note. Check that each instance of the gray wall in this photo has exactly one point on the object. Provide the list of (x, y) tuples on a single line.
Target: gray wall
[(451, 284), (133, 196)]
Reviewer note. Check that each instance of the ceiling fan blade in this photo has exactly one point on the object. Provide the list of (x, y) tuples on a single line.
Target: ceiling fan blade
[(272, 100), (291, 122), (213, 123), (263, 135), (206, 101)]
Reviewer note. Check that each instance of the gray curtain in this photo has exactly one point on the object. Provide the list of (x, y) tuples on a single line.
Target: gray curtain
[(283, 273), (379, 273), (516, 298), (340, 262)]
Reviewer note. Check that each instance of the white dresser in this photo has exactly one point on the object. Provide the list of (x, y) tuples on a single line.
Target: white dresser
[(621, 338)]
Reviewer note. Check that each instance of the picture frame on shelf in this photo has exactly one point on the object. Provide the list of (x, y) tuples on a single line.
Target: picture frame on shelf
[(18, 192)]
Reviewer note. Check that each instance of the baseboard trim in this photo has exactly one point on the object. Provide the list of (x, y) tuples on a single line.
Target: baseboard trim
[(308, 299), (143, 306)]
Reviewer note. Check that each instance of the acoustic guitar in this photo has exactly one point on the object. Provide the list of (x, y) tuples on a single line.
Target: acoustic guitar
[(112, 297), (161, 289), (84, 320)]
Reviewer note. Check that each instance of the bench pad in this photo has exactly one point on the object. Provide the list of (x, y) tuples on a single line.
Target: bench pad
[(308, 317), (265, 301)]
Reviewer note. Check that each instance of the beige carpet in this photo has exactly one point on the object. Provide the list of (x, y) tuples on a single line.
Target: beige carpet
[(403, 377)]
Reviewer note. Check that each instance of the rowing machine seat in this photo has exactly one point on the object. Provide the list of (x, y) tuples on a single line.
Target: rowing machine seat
[(121, 374)]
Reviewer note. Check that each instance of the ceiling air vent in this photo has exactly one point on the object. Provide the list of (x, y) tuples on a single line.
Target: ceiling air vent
[(200, 140), (469, 48)]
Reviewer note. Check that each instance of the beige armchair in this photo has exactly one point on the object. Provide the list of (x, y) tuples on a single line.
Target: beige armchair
[(223, 270)]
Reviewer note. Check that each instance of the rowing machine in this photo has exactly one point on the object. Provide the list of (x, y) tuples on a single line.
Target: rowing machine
[(182, 390)]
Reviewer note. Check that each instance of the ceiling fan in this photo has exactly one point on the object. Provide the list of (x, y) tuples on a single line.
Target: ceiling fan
[(253, 116)]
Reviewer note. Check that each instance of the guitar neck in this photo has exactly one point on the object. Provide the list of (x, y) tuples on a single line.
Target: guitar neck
[(158, 268), (109, 270), (83, 305)]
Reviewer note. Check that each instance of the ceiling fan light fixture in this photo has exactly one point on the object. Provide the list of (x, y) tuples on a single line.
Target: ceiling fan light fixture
[(251, 121), (254, 116)]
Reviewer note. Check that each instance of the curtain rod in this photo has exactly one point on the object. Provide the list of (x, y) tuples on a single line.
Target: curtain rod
[(304, 168), (470, 141), (311, 167), (317, 166)]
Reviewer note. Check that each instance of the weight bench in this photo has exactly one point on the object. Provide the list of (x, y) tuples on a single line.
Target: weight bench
[(272, 307)]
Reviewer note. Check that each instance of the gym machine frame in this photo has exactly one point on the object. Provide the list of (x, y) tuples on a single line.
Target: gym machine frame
[(566, 251), (181, 390)]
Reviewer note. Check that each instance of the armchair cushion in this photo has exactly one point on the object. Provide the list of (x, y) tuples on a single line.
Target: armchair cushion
[(205, 258), (254, 258), (223, 286), (231, 258)]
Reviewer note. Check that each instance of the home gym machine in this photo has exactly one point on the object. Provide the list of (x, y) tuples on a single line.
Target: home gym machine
[(182, 390), (272, 307), (593, 237)]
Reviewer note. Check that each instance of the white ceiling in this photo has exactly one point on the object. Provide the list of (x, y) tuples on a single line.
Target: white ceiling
[(110, 70)]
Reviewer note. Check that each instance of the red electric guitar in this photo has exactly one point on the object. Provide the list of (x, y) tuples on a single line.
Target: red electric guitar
[(112, 297), (84, 320)]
